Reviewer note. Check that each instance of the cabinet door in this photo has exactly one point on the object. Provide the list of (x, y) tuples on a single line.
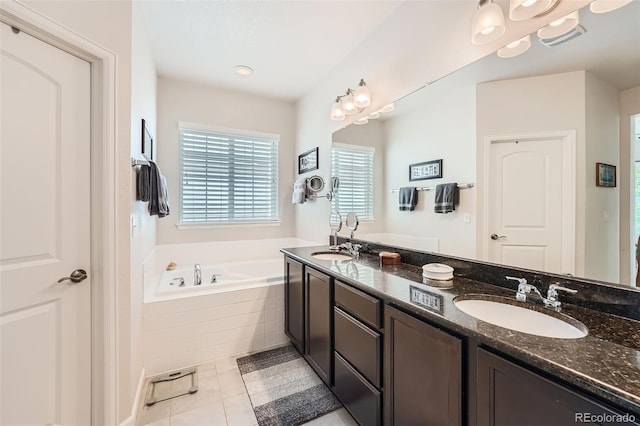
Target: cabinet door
[(319, 322), (511, 395), (422, 373), (294, 301)]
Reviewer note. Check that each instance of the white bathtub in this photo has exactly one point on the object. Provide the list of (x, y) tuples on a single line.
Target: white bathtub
[(243, 311), (232, 276)]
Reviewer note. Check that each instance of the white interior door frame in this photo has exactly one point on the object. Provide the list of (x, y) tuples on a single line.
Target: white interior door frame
[(103, 196), (569, 180)]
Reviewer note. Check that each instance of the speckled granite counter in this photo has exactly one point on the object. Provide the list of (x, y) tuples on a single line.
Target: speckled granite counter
[(605, 363)]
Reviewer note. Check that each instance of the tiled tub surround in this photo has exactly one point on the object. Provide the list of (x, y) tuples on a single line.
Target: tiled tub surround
[(190, 328), (605, 363)]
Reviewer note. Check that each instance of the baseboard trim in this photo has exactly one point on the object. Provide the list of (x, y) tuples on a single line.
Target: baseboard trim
[(133, 418)]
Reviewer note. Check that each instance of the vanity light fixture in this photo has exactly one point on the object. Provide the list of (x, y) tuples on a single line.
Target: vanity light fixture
[(361, 121), (352, 102), (243, 70), (560, 26), (604, 6), (515, 48), (520, 10), (387, 108), (488, 23), (373, 115)]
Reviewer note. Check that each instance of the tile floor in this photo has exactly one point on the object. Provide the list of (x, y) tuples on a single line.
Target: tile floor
[(221, 400)]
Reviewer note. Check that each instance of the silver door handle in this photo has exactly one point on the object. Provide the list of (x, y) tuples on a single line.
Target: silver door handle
[(76, 276), (497, 237)]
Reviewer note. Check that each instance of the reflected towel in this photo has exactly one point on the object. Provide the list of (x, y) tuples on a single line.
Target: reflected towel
[(407, 198), (446, 198), (158, 196), (299, 191), (143, 183)]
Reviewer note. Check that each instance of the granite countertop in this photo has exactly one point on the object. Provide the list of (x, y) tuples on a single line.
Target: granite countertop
[(606, 362)]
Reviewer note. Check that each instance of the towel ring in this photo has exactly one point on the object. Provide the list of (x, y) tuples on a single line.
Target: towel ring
[(315, 184)]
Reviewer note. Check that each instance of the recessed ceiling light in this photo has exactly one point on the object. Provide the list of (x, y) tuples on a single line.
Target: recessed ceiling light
[(243, 70)]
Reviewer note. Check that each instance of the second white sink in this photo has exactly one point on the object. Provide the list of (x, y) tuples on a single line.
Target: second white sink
[(331, 255), (522, 319)]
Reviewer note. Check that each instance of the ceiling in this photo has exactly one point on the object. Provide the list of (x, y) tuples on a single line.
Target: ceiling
[(291, 45)]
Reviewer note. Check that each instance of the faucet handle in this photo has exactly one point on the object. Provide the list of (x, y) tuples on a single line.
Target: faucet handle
[(552, 292), (521, 281), (523, 288)]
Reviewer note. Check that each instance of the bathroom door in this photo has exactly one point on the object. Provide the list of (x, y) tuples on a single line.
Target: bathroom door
[(529, 198), (45, 325)]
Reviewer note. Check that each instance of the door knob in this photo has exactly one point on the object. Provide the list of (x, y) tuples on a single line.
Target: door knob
[(497, 237), (76, 276)]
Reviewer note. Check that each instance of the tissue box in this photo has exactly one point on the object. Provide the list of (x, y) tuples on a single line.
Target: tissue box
[(437, 271)]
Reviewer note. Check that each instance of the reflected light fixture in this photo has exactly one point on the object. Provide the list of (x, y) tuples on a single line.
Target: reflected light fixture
[(603, 6), (560, 26), (361, 121), (352, 102), (373, 115), (387, 108), (520, 10), (488, 23), (515, 48)]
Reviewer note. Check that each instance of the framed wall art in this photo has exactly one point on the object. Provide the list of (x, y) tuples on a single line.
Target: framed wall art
[(427, 170), (147, 142), (605, 175), (308, 161)]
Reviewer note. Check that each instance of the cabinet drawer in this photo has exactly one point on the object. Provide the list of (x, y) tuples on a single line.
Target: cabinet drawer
[(359, 345), (361, 399), (359, 304)]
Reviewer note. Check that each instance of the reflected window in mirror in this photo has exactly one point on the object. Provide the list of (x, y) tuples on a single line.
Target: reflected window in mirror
[(354, 166)]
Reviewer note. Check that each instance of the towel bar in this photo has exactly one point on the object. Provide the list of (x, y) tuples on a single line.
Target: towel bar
[(431, 188), (136, 162)]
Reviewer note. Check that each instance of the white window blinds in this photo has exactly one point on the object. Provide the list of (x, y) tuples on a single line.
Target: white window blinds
[(227, 178), (354, 166)]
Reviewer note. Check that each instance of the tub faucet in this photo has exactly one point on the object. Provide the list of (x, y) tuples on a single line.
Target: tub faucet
[(197, 274)]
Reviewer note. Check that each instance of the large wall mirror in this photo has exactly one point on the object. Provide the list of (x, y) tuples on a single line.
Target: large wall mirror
[(528, 132)]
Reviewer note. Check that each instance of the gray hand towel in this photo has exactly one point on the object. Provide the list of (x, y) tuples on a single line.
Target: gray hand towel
[(446, 198), (143, 183), (158, 197), (407, 198)]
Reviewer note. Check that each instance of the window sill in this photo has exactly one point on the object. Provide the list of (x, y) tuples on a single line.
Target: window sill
[(188, 226)]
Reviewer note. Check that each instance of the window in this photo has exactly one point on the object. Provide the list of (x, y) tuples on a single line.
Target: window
[(227, 178), (354, 166)]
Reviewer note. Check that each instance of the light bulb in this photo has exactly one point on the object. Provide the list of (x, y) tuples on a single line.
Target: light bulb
[(362, 96), (520, 10), (487, 24), (348, 103), (560, 26), (515, 48), (337, 113)]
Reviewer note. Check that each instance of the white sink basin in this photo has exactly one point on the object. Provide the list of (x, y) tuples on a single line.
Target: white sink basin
[(331, 255), (521, 319)]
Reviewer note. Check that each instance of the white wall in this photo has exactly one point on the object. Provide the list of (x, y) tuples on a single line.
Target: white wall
[(602, 141), (108, 24), (629, 103), (442, 128), (196, 103), (401, 55)]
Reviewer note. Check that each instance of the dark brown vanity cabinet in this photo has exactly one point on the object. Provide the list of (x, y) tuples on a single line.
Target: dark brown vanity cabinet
[(358, 353), (308, 299), (319, 321), (512, 395), (294, 301), (422, 373)]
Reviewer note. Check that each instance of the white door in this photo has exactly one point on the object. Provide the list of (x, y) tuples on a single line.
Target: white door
[(45, 325), (525, 203)]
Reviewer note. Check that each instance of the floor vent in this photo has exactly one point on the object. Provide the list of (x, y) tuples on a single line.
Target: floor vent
[(171, 385)]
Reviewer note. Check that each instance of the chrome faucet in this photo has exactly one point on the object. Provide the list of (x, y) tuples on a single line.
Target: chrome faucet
[(551, 301), (524, 289), (552, 295), (197, 274), (352, 249)]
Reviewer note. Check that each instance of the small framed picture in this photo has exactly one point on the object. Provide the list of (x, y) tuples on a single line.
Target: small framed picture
[(605, 175), (308, 161), (147, 142), (427, 170)]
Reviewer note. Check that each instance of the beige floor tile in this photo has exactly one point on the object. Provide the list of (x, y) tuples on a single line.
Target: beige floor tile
[(226, 364), (208, 415), (239, 411), (231, 383), (162, 422), (154, 413), (197, 400), (345, 417), (208, 382)]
